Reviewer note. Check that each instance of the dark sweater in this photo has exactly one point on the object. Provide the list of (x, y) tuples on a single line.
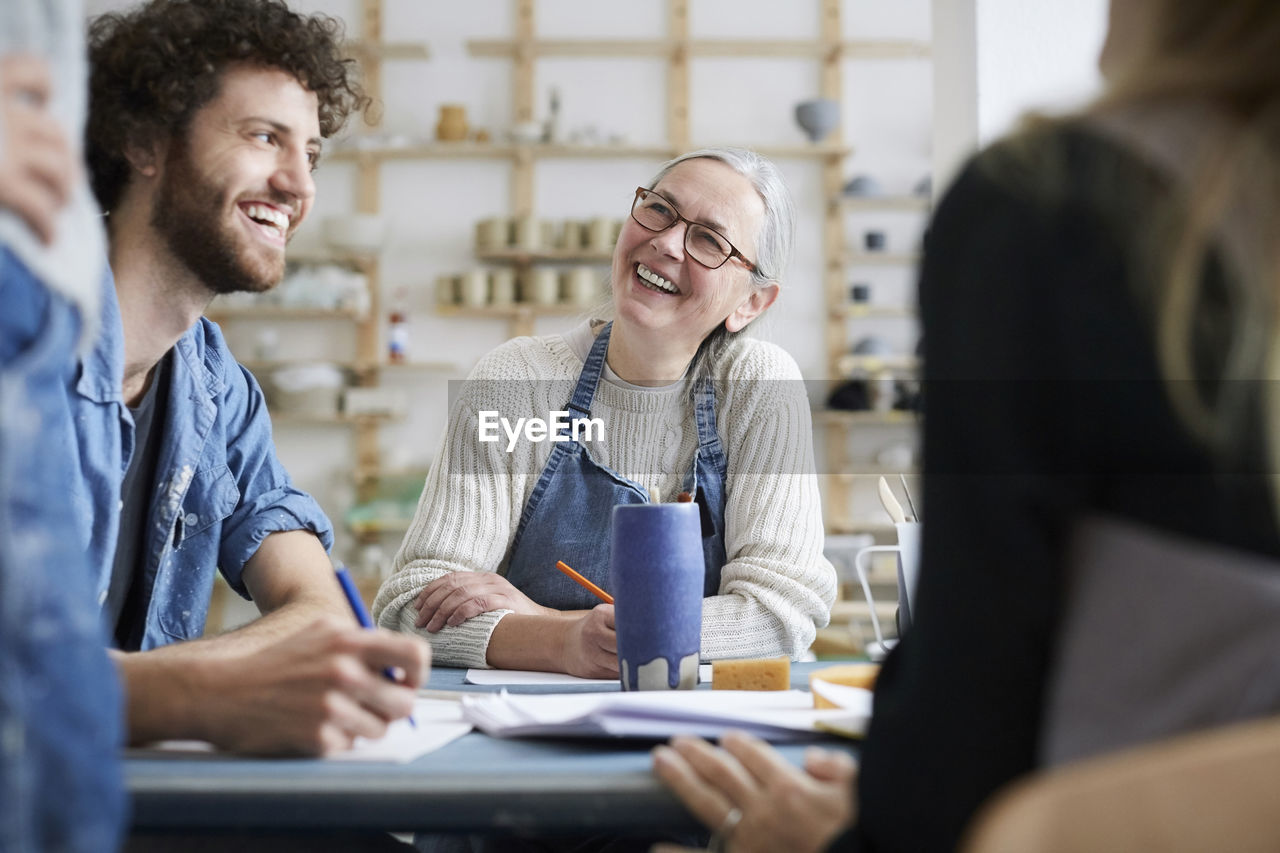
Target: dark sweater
[(1043, 402)]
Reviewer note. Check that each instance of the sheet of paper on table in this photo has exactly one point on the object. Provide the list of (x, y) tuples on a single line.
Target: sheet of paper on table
[(777, 715), (524, 677), (436, 723)]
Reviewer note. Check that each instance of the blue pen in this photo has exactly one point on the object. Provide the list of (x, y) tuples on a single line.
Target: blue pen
[(362, 615)]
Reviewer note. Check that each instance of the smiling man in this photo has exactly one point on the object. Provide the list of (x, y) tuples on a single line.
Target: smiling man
[(206, 121)]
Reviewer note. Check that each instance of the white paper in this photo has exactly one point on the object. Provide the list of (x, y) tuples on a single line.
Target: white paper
[(436, 723), (524, 677), (777, 715)]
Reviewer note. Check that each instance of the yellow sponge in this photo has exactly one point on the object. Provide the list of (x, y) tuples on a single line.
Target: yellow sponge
[(848, 674), (751, 674)]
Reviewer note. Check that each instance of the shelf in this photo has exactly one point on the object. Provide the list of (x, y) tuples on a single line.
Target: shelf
[(565, 151), (874, 259), (812, 149), (852, 363), (388, 50), (723, 48), (527, 256), (489, 149), (512, 311), (218, 313), (835, 417), (857, 311), (850, 49), (908, 203), (537, 48)]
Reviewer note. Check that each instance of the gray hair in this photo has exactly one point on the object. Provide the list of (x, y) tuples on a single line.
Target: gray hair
[(778, 228)]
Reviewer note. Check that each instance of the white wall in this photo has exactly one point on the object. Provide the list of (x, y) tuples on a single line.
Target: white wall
[(1039, 55), (998, 59)]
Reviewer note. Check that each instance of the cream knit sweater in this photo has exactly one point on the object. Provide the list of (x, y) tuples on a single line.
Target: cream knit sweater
[(777, 587)]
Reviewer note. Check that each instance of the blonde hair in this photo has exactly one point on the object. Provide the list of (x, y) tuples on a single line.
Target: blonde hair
[(1222, 56)]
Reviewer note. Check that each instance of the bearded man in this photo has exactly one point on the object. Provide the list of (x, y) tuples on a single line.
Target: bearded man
[(206, 120)]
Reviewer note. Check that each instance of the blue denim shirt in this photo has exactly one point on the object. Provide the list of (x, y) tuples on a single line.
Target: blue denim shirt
[(61, 712), (220, 490)]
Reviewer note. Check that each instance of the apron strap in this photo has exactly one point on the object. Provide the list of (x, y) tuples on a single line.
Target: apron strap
[(585, 391)]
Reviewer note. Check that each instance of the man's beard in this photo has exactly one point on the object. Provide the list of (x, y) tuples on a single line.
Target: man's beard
[(188, 216)]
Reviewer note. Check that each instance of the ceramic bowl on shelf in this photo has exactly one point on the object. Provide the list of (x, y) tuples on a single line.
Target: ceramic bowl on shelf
[(356, 232), (863, 186), (818, 117)]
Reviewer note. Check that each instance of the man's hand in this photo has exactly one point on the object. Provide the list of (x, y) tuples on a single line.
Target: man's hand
[(459, 596), (37, 163), (310, 692), (778, 807), (591, 647), (314, 692)]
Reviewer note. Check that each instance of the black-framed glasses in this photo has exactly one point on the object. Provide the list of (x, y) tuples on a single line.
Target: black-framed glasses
[(705, 245)]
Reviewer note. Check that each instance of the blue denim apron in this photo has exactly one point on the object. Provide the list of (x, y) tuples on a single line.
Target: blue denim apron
[(571, 507)]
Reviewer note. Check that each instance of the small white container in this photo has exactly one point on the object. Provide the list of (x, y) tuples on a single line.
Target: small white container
[(528, 233), (582, 285), (493, 234), (544, 286), (447, 290), (600, 234), (475, 288), (502, 287)]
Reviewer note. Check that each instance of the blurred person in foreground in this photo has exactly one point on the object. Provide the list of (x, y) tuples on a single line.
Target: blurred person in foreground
[(60, 702), (1099, 299)]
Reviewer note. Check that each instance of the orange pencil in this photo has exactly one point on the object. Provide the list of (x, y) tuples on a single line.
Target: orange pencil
[(588, 585)]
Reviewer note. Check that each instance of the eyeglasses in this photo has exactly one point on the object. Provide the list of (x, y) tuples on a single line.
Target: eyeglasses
[(705, 245)]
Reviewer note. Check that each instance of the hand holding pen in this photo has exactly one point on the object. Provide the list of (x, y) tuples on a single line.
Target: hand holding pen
[(362, 616)]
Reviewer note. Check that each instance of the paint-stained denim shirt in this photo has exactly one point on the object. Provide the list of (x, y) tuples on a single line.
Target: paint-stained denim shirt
[(220, 488)]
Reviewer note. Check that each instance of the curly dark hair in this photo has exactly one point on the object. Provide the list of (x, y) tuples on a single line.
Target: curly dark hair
[(152, 68)]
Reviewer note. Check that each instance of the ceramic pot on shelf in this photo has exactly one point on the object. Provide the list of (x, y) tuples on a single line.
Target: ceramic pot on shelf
[(818, 117), (452, 126)]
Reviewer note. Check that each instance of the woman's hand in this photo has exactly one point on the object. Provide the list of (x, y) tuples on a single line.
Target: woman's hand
[(777, 806), (37, 163), (459, 596), (591, 648)]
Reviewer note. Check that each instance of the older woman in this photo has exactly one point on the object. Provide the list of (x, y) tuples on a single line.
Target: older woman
[(686, 405)]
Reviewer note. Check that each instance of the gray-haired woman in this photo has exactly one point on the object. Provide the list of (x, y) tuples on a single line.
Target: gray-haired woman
[(686, 404)]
